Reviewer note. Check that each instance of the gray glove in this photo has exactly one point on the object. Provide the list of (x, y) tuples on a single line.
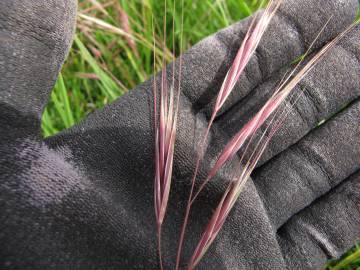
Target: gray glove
[(84, 198)]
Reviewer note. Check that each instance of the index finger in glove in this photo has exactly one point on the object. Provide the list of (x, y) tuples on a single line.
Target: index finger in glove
[(293, 29), (330, 86), (35, 37)]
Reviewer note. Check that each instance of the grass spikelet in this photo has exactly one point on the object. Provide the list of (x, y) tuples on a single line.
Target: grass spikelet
[(247, 49)]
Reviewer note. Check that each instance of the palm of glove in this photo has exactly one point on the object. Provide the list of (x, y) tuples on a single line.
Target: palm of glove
[(84, 199)]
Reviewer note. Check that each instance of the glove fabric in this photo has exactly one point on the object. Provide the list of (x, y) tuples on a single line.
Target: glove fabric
[(83, 199)]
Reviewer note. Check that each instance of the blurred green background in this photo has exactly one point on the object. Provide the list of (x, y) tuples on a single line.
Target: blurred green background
[(113, 52), (113, 49)]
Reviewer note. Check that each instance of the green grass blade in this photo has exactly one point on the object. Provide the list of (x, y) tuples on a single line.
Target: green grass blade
[(109, 87), (64, 100)]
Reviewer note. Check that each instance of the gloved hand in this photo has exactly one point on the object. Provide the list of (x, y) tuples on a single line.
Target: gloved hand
[(84, 198)]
